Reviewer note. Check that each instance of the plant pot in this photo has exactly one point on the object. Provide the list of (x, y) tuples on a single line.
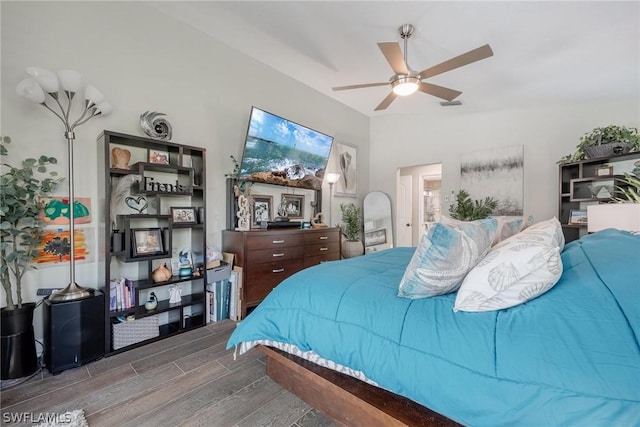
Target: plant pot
[(606, 149), (19, 358), (352, 249)]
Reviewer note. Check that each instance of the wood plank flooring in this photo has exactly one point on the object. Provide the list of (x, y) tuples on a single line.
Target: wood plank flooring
[(186, 380)]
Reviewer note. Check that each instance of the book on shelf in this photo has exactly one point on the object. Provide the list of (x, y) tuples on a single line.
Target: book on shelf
[(122, 295)]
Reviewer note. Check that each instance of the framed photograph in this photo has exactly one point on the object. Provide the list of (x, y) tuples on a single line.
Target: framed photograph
[(158, 156), (347, 164), (184, 215), (293, 205), (578, 217), (375, 237), (147, 241), (604, 171), (261, 210)]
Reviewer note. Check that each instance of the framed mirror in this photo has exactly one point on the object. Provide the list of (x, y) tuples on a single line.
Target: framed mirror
[(378, 223)]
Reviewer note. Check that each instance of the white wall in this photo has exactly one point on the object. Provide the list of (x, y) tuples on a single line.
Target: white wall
[(547, 134), (143, 60)]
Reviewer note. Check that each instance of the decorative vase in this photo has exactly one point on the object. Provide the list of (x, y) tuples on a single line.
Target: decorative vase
[(161, 274), (352, 249), (19, 358), (120, 158)]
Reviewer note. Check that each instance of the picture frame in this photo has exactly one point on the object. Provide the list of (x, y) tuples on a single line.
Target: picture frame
[(261, 210), (160, 157), (578, 217), (293, 205), (375, 237), (604, 171), (346, 158), (184, 215), (147, 242)]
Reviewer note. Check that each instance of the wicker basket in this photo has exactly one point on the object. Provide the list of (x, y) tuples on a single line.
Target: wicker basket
[(128, 333), (606, 150)]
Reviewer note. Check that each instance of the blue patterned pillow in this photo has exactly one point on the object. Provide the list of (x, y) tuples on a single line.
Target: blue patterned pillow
[(444, 257)]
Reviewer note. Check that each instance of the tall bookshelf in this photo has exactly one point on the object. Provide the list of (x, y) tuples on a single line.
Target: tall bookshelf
[(158, 193)]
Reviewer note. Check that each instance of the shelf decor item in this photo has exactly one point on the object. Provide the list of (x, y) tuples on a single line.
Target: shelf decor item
[(155, 126), (147, 242), (61, 89), (183, 215), (612, 140), (578, 216)]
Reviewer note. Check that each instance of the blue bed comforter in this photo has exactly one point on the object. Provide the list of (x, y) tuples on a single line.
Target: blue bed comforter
[(569, 357)]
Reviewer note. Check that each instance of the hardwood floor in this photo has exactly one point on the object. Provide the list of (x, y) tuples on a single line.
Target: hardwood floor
[(186, 380)]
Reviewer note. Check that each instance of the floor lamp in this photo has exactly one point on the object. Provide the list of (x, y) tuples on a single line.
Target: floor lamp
[(44, 82), (332, 178)]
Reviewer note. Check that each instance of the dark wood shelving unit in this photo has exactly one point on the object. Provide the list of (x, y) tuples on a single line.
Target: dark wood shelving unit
[(180, 183), (575, 187)]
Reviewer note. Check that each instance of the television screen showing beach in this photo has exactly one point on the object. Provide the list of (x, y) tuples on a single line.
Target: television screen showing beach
[(278, 151)]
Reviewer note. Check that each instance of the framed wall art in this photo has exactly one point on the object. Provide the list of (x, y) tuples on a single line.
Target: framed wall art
[(158, 156), (293, 205), (346, 157), (578, 216), (261, 209)]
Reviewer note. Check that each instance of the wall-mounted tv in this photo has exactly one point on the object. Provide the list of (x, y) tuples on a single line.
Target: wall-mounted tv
[(279, 151)]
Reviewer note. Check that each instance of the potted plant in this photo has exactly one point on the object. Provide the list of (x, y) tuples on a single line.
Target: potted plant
[(605, 142), (465, 209), (351, 228), (20, 231)]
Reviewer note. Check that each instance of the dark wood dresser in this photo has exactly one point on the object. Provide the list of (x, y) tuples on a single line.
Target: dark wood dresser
[(267, 257)]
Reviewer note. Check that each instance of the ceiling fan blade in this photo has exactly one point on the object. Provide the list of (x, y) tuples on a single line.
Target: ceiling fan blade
[(466, 58), (393, 55), (359, 86), (439, 91), (386, 102)]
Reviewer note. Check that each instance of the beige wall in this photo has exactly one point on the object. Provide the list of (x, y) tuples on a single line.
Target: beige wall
[(143, 60), (546, 133)]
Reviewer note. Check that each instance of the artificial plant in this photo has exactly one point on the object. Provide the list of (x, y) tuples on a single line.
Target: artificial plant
[(21, 192), (465, 209), (351, 221)]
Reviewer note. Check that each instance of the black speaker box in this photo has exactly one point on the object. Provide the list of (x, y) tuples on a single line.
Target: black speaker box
[(73, 332)]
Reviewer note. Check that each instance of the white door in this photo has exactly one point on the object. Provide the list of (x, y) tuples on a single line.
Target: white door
[(404, 202)]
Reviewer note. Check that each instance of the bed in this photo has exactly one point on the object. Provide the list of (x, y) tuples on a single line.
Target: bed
[(569, 357)]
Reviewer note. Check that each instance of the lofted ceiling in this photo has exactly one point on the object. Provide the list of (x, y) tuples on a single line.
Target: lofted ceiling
[(545, 52)]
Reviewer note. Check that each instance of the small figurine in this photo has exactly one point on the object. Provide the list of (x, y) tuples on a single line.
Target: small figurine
[(175, 294), (152, 302)]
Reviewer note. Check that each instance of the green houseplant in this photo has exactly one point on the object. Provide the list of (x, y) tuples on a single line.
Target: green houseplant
[(465, 209), (351, 229), (20, 231), (605, 142)]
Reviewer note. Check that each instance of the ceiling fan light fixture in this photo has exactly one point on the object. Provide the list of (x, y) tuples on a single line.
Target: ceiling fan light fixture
[(405, 85)]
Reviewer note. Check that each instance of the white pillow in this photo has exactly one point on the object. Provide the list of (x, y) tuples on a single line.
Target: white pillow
[(516, 270), (444, 256)]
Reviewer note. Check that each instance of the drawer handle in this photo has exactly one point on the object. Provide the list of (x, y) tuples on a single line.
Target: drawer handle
[(278, 241), (278, 270), (324, 249), (278, 254), (324, 237)]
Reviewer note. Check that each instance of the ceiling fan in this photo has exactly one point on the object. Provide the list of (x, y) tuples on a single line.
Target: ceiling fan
[(406, 81)]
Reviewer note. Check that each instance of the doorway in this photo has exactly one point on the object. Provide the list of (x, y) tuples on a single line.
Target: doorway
[(418, 201)]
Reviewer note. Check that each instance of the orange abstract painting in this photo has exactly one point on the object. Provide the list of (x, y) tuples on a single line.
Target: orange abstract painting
[(55, 248)]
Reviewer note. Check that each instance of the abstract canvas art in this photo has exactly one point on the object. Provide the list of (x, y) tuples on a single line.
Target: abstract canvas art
[(497, 173), (55, 248), (346, 159)]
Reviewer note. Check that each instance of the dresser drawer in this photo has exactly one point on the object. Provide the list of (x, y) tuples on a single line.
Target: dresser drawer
[(321, 237), (310, 261), (264, 277), (260, 256), (276, 240), (321, 249)]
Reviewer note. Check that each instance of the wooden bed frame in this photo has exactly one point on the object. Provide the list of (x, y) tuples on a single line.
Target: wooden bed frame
[(347, 400)]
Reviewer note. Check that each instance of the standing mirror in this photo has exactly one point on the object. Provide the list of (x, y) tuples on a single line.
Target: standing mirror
[(378, 225)]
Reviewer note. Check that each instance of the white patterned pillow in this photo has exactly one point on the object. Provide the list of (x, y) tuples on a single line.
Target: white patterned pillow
[(516, 270), (444, 256)]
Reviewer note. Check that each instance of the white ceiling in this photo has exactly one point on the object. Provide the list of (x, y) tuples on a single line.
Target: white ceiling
[(545, 52)]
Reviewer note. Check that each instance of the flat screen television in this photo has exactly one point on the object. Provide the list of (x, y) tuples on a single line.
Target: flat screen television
[(281, 152)]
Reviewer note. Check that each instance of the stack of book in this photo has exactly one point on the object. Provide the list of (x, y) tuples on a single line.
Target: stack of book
[(122, 293), (223, 297)]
